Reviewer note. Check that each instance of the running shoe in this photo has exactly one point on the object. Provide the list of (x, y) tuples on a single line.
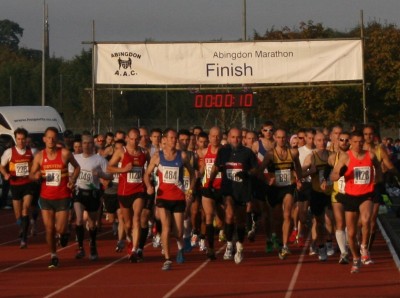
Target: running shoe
[(120, 246), (366, 259), (64, 239), (93, 253), (269, 246), (251, 235), (157, 240), (293, 236), (180, 258), (322, 254), (202, 245), (167, 265), (139, 254), (211, 254), (228, 255), (330, 250), (313, 250), (239, 253), (301, 242), (221, 236), (284, 252), (355, 268), (194, 240), (133, 257), (344, 259), (187, 244), (53, 263), (80, 253), (23, 245)]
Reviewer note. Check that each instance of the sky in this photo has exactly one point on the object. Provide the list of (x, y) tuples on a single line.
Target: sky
[(180, 20)]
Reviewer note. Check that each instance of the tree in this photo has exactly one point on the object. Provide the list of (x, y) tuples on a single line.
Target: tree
[(10, 34)]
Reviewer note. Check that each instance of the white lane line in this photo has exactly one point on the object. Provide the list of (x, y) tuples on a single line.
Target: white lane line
[(187, 278), (42, 256), (390, 245), (19, 239), (296, 272), (7, 226), (88, 276), (85, 277)]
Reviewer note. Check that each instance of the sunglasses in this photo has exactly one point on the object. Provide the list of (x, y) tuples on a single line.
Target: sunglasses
[(300, 138), (268, 130), (344, 140)]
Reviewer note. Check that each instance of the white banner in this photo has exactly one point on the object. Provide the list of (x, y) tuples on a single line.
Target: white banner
[(228, 63)]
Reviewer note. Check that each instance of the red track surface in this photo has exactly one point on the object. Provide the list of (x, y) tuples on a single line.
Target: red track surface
[(24, 273)]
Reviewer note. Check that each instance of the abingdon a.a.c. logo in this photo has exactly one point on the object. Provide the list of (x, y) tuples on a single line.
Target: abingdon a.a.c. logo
[(124, 63)]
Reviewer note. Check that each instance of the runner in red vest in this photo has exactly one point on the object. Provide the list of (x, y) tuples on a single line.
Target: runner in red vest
[(51, 165), (17, 160), (131, 188), (361, 170)]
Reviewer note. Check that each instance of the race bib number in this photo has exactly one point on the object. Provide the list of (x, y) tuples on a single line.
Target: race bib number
[(283, 177), (85, 177), (53, 177), (21, 169), (362, 175), (208, 171), (135, 176), (170, 175), (341, 184), (231, 174), (186, 183)]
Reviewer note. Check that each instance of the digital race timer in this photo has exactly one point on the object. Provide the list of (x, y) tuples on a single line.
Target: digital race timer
[(223, 100)]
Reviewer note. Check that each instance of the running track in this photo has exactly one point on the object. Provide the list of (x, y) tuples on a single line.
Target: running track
[(24, 273)]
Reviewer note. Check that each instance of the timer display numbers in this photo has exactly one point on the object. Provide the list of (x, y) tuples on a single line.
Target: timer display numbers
[(223, 100)]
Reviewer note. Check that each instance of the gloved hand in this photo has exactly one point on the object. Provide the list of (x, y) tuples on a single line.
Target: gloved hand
[(342, 171)]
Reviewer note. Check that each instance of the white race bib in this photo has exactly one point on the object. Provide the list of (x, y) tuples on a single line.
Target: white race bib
[(170, 175), (362, 175), (231, 174), (85, 177), (341, 184), (135, 175), (283, 177), (53, 177), (21, 169)]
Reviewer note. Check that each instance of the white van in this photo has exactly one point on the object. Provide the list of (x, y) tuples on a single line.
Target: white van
[(35, 119)]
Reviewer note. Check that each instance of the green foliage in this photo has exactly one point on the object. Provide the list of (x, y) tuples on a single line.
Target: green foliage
[(10, 33)]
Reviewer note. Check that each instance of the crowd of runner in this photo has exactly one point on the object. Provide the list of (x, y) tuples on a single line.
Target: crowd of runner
[(320, 187)]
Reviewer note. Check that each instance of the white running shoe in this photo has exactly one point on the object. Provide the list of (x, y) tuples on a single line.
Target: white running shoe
[(228, 255), (239, 253)]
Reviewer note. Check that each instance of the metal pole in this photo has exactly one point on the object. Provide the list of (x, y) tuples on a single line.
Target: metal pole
[(11, 95), (243, 114), (44, 53), (166, 106), (93, 81), (364, 95), (244, 20)]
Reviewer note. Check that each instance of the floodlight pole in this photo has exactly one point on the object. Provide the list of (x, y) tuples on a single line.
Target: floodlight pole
[(244, 120), (45, 39), (93, 80), (364, 95)]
